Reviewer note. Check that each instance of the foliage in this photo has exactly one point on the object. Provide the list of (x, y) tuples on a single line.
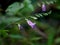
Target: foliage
[(21, 25)]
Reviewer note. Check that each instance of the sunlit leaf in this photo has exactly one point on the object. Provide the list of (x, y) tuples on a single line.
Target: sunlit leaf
[(57, 40), (14, 8)]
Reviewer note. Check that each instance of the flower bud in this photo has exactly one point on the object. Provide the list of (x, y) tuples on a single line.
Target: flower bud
[(30, 23), (43, 7), (20, 27)]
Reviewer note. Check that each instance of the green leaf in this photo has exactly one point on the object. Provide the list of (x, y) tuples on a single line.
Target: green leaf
[(28, 5), (4, 33), (51, 34), (57, 40), (26, 2), (58, 7), (58, 4), (4, 19), (14, 8), (35, 38), (16, 36)]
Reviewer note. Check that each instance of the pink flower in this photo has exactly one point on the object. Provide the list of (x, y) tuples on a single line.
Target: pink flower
[(43, 7), (30, 23)]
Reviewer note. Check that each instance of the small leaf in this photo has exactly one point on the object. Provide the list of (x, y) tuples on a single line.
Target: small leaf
[(35, 38), (16, 36), (33, 17)]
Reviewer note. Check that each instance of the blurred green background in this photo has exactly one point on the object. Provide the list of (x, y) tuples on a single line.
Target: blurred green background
[(23, 22)]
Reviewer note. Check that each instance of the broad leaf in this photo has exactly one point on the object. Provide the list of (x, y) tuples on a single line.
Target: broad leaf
[(14, 8)]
